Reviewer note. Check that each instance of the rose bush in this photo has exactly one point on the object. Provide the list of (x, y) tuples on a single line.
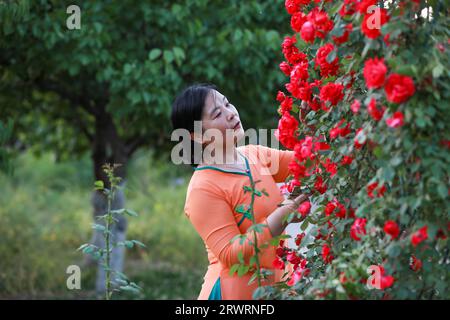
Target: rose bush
[(366, 110)]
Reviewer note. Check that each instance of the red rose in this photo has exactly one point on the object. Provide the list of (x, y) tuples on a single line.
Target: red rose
[(346, 160), (331, 206), (297, 169), (396, 120), (304, 208), (278, 263), (374, 73), (373, 111), (299, 72), (293, 258), (285, 68), (344, 37), (330, 167), (326, 254), (374, 187), (293, 6), (300, 272), (372, 23), (355, 106), (348, 8), (358, 228), (286, 131), (364, 5), (299, 238), (307, 32), (415, 264), (300, 89), (280, 96), (297, 21), (386, 282), (321, 22), (419, 236), (286, 105), (319, 185), (332, 92), (326, 68), (399, 88), (391, 228), (291, 52)]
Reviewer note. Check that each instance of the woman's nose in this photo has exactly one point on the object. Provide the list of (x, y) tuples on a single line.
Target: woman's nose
[(231, 115)]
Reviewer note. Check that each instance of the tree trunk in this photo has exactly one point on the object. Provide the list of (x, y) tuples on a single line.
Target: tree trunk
[(108, 148)]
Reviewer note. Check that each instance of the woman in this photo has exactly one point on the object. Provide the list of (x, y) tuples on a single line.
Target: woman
[(216, 190)]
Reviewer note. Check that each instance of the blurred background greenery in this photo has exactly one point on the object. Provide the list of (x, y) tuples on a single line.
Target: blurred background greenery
[(45, 217), (72, 100)]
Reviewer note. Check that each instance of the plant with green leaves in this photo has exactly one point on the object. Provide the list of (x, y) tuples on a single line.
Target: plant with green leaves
[(254, 265), (121, 282)]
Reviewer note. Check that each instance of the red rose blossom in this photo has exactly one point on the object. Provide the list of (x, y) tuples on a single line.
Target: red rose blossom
[(358, 229), (399, 88), (286, 132), (326, 68), (373, 110), (396, 120), (374, 187), (415, 264), (391, 228), (332, 92), (304, 208), (419, 236), (369, 25), (326, 254), (374, 73)]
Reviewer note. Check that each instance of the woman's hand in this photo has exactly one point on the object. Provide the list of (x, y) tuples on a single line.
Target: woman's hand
[(293, 204), (277, 219)]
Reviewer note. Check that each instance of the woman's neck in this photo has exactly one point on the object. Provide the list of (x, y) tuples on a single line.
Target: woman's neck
[(229, 157)]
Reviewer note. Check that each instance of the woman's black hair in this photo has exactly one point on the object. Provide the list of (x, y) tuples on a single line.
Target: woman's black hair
[(188, 107)]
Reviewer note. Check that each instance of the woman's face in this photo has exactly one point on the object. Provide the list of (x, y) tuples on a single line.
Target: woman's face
[(221, 115)]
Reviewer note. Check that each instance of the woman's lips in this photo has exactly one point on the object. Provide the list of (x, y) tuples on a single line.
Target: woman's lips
[(237, 126)]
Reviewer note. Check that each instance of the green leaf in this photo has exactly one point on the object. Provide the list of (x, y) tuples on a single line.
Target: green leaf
[(99, 185), (129, 289), (154, 54), (241, 257), (442, 190), (243, 269), (331, 56), (129, 244), (304, 225), (139, 243), (168, 56), (438, 70), (98, 227), (253, 278), (234, 268)]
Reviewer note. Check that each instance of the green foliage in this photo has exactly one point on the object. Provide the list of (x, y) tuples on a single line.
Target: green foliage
[(5, 153), (411, 161), (130, 59), (38, 234), (120, 280)]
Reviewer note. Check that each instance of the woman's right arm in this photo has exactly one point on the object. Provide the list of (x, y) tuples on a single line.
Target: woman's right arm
[(213, 219)]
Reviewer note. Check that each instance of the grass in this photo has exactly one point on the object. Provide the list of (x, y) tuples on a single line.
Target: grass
[(45, 214)]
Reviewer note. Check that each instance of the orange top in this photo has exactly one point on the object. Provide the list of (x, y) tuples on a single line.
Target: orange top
[(211, 200)]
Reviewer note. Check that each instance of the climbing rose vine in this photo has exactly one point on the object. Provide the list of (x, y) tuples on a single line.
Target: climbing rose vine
[(365, 107)]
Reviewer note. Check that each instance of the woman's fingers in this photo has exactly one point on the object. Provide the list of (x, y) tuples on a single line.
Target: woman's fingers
[(301, 198), (295, 203)]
